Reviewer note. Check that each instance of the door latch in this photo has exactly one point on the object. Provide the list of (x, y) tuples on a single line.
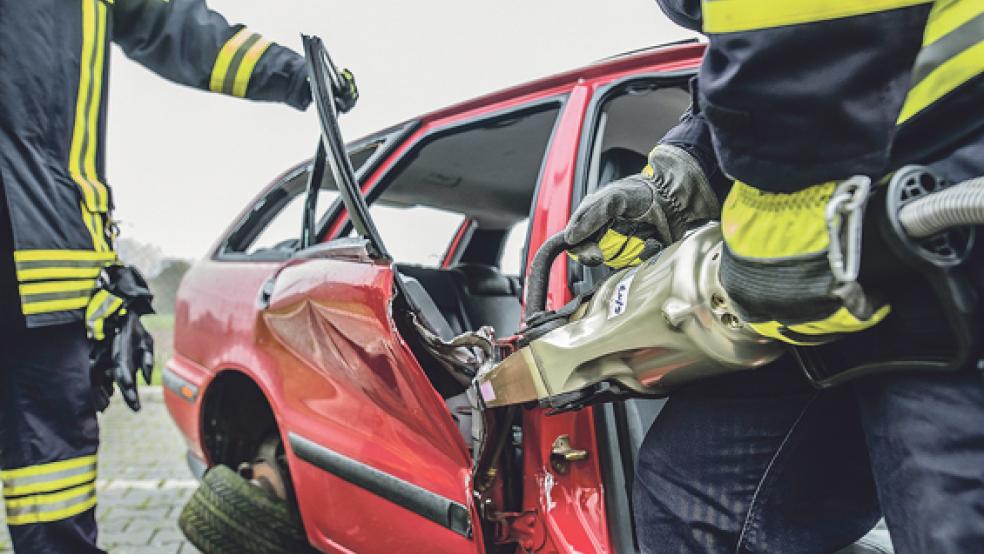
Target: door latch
[(562, 454)]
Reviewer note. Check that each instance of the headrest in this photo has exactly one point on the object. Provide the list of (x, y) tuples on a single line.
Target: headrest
[(485, 280), (616, 163)]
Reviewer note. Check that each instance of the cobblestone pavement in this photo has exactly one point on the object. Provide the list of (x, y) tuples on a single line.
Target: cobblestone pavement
[(143, 481)]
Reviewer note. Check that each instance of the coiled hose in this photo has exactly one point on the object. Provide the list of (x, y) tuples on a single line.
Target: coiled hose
[(957, 206)]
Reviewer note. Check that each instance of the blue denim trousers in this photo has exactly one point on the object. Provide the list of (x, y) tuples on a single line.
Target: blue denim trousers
[(761, 462)]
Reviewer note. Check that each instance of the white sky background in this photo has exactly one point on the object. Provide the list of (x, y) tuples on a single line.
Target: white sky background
[(183, 163)]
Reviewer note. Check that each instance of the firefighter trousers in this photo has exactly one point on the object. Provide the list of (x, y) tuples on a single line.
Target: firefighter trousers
[(48, 439), (761, 462)]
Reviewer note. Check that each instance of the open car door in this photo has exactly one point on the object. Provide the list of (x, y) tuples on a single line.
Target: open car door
[(376, 460)]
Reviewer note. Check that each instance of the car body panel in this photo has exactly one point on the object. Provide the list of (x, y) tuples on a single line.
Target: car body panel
[(354, 386)]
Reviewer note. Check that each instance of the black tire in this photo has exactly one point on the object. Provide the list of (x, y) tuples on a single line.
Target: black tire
[(228, 515)]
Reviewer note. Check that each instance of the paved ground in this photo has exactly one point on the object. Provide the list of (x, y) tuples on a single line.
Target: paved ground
[(143, 482)]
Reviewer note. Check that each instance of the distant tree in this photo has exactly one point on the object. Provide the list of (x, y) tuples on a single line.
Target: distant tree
[(148, 258), (165, 284)]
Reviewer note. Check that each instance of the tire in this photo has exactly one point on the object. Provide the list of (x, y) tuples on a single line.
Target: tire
[(228, 515)]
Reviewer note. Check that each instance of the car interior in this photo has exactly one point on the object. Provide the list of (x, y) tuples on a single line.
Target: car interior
[(485, 172)]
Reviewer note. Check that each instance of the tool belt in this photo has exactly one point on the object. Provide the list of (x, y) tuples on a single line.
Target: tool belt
[(120, 345), (934, 325)]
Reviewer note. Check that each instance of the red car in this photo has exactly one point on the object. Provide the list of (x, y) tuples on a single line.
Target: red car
[(313, 349)]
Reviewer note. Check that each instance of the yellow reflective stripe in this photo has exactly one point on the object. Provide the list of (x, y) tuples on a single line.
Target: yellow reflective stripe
[(947, 15), (247, 65), (948, 76), (765, 225), (732, 16), (57, 515), (53, 273), (49, 498), (95, 101), (58, 286), (95, 229), (85, 82), (222, 61), (102, 305), (51, 507), (62, 255), (9, 475), (52, 485)]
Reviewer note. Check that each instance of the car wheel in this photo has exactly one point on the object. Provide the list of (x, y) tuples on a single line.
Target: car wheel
[(229, 514)]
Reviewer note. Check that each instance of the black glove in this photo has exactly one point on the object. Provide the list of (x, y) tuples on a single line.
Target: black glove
[(120, 345), (633, 218), (346, 98)]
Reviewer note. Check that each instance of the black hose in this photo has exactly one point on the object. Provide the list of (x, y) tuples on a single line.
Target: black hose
[(539, 280)]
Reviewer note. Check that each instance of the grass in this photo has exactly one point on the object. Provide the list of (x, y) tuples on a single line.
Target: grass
[(161, 326)]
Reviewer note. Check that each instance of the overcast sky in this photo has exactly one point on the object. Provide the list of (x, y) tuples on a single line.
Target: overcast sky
[(183, 163)]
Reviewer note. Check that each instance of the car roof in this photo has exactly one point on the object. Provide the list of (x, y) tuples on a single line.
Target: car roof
[(680, 55)]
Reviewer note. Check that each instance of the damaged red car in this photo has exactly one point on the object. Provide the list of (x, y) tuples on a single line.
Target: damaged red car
[(325, 348)]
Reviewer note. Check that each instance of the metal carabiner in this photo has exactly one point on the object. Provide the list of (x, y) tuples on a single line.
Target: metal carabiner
[(845, 209)]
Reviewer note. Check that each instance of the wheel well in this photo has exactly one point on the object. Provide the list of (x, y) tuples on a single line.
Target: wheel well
[(236, 418)]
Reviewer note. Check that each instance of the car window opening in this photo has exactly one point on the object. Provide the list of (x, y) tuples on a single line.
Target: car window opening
[(629, 121), (483, 172), (271, 230)]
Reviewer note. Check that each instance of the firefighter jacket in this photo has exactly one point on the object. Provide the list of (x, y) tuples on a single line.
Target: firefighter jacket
[(54, 66), (797, 96), (799, 92)]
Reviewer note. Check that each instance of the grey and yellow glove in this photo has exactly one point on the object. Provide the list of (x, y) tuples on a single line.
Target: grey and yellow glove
[(776, 266), (633, 218)]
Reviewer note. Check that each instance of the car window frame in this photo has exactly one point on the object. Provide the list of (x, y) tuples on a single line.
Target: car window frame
[(379, 184), (388, 140), (610, 420), (579, 280)]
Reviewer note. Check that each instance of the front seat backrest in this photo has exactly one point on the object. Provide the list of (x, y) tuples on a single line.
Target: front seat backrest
[(490, 298), (616, 163)]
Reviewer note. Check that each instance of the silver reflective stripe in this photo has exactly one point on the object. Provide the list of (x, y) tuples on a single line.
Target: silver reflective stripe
[(42, 264), (956, 41), (64, 295), (87, 493), (108, 306), (10, 483)]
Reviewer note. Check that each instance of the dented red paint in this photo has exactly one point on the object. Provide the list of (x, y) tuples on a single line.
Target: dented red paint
[(327, 357)]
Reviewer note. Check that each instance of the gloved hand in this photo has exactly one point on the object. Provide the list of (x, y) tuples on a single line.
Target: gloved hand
[(633, 218), (346, 98), (120, 347), (128, 352), (777, 268)]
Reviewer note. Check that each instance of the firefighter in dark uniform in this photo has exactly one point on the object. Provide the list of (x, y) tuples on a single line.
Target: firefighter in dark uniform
[(793, 98), (56, 214)]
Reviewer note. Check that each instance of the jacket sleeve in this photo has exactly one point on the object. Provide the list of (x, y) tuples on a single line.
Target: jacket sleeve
[(685, 13), (693, 134), (186, 42)]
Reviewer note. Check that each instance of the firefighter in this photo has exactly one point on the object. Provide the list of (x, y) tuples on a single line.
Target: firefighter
[(56, 230), (793, 98)]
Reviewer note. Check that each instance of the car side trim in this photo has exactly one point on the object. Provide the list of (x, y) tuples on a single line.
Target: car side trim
[(184, 389), (443, 511)]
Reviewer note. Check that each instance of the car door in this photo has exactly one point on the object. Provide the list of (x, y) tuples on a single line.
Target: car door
[(376, 460)]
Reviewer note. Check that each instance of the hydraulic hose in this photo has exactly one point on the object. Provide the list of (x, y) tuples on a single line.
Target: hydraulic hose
[(957, 206), (539, 279)]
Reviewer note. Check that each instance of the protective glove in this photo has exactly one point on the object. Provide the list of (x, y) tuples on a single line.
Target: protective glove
[(120, 346), (633, 218), (777, 267), (346, 98)]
